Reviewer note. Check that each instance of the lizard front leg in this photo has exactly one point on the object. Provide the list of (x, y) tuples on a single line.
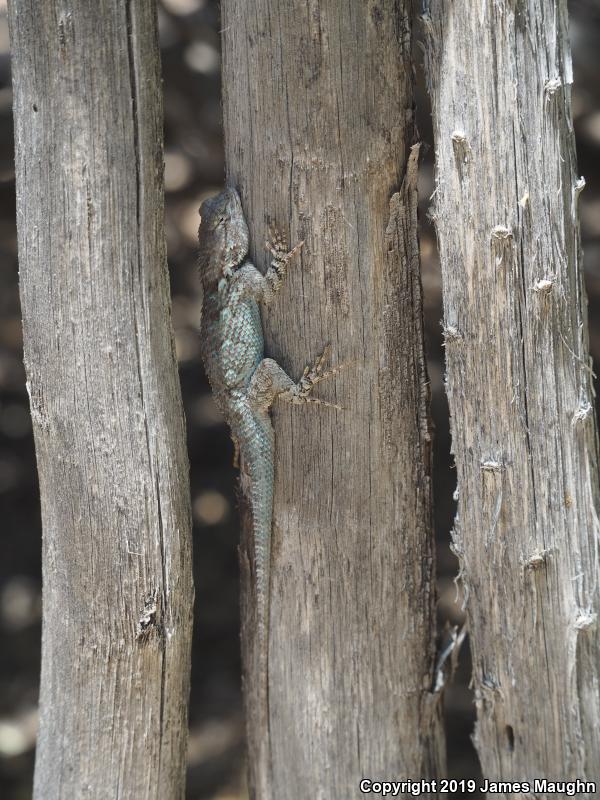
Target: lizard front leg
[(277, 246), (249, 281)]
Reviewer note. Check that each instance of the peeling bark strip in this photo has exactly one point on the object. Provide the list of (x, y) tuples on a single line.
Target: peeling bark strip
[(519, 381), (105, 401), (318, 121)]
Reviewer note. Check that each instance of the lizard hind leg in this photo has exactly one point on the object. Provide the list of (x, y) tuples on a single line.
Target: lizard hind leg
[(270, 381)]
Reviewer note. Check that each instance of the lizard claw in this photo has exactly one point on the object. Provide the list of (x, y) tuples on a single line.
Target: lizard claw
[(277, 246), (311, 376)]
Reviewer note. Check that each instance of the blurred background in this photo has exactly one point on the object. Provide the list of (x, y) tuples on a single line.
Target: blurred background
[(189, 36)]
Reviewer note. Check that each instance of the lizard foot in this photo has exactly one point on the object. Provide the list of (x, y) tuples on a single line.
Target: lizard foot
[(312, 375), (277, 246)]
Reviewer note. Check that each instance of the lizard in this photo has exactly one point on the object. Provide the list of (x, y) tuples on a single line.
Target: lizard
[(245, 383)]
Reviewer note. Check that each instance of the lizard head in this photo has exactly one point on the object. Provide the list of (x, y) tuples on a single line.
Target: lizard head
[(223, 236)]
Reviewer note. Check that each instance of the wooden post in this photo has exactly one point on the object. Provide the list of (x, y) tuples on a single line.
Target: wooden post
[(519, 381), (105, 400), (318, 113)]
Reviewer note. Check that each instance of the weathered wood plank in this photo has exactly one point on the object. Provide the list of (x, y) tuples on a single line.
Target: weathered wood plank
[(318, 111), (519, 380), (105, 400)]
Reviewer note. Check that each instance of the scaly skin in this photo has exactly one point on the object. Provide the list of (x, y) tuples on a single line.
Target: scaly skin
[(244, 383)]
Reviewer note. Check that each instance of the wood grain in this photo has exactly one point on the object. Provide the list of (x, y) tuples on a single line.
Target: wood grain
[(105, 401), (318, 112), (519, 380)]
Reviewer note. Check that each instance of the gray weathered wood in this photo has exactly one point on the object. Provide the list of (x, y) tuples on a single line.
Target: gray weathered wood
[(105, 400), (519, 380), (318, 111)]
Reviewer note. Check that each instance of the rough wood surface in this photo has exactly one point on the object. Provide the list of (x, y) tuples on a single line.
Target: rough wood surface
[(105, 401), (519, 380), (318, 111)]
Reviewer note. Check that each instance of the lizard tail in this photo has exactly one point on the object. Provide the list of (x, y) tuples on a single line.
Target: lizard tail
[(257, 480), (254, 433)]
